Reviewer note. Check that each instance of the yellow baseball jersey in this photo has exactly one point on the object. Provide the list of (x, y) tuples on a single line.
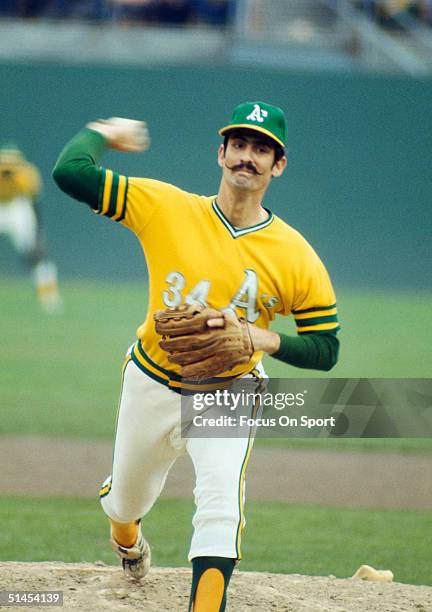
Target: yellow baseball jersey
[(19, 178), (194, 254)]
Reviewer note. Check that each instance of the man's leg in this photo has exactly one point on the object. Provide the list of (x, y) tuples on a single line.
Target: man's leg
[(210, 579), (143, 455), (26, 236), (220, 466), (47, 288), (125, 534)]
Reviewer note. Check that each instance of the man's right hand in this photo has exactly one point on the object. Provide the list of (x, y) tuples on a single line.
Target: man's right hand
[(123, 134)]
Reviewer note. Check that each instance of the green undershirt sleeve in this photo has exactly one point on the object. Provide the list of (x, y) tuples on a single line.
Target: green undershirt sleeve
[(311, 351), (76, 172)]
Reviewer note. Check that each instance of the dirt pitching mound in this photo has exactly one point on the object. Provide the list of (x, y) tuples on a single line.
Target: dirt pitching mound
[(92, 587)]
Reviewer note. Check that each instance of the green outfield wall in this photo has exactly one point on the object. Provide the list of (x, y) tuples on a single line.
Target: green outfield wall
[(358, 183)]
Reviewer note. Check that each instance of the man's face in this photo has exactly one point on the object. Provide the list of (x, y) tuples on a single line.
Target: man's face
[(248, 163)]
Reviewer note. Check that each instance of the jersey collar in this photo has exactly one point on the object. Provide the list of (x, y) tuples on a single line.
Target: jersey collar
[(236, 232)]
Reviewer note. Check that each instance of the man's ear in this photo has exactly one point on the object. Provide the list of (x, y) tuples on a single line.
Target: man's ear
[(221, 155), (279, 166)]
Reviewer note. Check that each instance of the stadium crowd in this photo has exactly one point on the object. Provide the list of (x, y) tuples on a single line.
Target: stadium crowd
[(390, 14), (397, 14), (213, 12)]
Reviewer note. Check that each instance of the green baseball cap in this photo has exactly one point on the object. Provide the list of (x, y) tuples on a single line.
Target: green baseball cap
[(259, 116)]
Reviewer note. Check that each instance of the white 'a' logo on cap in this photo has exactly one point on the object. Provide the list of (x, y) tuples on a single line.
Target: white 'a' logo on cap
[(258, 114)]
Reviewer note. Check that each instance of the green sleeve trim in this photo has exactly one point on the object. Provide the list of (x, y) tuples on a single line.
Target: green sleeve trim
[(110, 205), (316, 320), (123, 213), (113, 198), (76, 172), (311, 351), (314, 309), (333, 330)]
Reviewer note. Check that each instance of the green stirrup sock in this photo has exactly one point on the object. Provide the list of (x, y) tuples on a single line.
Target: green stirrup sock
[(210, 579)]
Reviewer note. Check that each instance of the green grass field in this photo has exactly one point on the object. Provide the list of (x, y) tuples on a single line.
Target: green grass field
[(310, 540), (61, 373)]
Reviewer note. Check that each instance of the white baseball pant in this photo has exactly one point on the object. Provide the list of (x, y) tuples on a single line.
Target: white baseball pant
[(148, 441), (18, 221)]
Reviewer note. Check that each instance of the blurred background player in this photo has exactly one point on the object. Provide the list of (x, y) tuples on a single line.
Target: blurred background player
[(20, 189)]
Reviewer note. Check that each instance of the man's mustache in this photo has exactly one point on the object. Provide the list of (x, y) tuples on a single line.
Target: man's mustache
[(244, 166)]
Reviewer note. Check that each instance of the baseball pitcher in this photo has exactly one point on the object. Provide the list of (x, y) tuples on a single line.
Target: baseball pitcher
[(20, 187), (220, 269)]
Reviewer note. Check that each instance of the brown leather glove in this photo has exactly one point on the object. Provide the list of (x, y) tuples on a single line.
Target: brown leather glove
[(201, 351)]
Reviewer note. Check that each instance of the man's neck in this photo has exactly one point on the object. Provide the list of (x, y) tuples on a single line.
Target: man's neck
[(242, 209)]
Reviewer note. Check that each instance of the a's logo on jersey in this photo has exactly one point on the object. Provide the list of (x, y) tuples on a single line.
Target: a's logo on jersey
[(258, 114), (269, 302)]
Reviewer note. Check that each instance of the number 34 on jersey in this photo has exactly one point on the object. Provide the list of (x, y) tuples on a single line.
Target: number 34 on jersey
[(245, 298)]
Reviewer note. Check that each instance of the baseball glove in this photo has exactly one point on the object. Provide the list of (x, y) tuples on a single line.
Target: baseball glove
[(202, 351)]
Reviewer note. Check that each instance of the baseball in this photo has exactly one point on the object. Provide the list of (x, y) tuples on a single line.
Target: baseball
[(123, 134)]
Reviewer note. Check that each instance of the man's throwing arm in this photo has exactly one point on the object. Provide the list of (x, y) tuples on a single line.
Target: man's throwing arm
[(76, 172)]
